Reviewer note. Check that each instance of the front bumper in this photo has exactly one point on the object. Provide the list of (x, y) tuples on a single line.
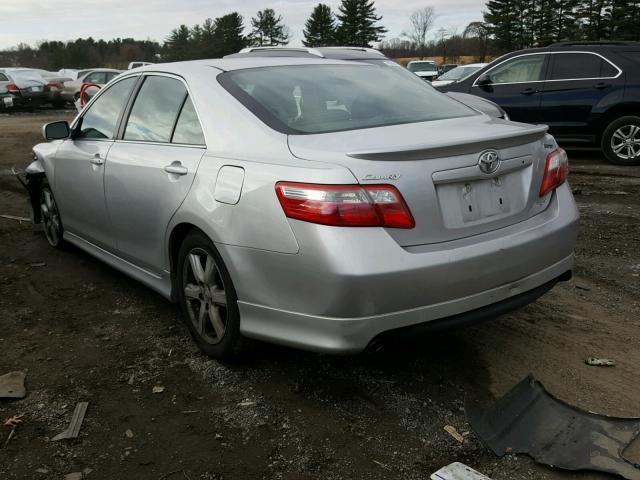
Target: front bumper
[(347, 286)]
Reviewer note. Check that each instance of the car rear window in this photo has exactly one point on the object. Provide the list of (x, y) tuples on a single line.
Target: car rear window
[(306, 99), (574, 66)]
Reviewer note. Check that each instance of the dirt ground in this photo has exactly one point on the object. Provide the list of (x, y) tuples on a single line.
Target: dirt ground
[(84, 332)]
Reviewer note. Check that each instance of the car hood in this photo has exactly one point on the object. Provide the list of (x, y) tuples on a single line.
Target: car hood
[(440, 83), (478, 103)]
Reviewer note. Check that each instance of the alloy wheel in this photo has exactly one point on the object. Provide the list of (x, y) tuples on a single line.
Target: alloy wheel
[(625, 142), (205, 295), (50, 218)]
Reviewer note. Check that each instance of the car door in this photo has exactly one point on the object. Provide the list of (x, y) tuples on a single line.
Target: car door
[(516, 85), (80, 163), (578, 82), (151, 168)]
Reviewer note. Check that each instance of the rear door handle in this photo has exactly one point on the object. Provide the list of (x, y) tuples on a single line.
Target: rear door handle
[(602, 85), (176, 168), (529, 91), (97, 159)]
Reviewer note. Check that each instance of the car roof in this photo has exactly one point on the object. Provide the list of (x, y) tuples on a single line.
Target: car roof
[(333, 53), (236, 63)]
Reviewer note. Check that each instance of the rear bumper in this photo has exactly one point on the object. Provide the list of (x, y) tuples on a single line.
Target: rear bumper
[(347, 286), (352, 335)]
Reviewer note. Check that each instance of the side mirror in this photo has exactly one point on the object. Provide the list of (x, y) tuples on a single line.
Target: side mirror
[(484, 80), (56, 130)]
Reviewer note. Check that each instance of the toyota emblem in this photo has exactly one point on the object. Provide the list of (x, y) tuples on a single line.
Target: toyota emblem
[(489, 161)]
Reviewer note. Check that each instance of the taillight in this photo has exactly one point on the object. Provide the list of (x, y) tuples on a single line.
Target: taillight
[(57, 85), (555, 171), (345, 205), (12, 88)]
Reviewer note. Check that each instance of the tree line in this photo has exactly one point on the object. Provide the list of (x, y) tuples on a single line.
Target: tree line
[(516, 24), (507, 25)]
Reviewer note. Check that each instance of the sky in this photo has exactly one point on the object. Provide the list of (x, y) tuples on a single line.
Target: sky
[(31, 21)]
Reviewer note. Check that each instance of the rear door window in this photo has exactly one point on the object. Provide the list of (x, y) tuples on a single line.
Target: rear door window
[(577, 66), (101, 118), (155, 110), (3, 78), (188, 130)]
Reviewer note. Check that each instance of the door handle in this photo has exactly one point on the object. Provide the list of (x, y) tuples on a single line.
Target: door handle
[(97, 159), (529, 91), (602, 85), (176, 168)]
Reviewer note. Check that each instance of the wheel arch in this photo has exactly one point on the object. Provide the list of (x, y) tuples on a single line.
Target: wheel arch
[(178, 233), (617, 111)]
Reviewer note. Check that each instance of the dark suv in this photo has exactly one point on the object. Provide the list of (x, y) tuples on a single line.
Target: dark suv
[(588, 93)]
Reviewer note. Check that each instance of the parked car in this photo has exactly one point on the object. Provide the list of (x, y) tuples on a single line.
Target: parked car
[(322, 229), (97, 76), (138, 64), (445, 67), (587, 92), (71, 73), (368, 55), (457, 74), (21, 88), (54, 87), (425, 69)]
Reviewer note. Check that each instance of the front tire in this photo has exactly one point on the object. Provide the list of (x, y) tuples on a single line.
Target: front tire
[(621, 141), (208, 298), (50, 215)]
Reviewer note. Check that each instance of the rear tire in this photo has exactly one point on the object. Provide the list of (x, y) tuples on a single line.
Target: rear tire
[(208, 298), (621, 141)]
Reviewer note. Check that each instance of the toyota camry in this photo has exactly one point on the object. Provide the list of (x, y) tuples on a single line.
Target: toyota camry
[(314, 203)]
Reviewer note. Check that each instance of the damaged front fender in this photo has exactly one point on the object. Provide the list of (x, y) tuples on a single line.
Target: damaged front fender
[(31, 179)]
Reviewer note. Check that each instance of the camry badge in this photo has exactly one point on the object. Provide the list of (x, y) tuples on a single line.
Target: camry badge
[(391, 176), (489, 161)]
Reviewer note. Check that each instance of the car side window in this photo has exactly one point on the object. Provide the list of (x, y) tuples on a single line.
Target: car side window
[(188, 130), (101, 118), (527, 68), (3, 78), (110, 76), (96, 77), (155, 109), (576, 66)]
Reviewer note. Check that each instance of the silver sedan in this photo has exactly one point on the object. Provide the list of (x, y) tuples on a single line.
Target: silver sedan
[(314, 203)]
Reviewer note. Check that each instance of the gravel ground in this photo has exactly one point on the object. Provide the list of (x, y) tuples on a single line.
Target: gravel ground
[(84, 332)]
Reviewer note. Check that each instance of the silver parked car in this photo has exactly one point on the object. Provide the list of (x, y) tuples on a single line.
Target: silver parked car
[(297, 201)]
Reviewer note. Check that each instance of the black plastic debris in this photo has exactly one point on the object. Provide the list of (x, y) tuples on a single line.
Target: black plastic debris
[(529, 420)]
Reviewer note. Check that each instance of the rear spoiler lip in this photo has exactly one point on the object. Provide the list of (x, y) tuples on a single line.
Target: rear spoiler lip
[(449, 149)]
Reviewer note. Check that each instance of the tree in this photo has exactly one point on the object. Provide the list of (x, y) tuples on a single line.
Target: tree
[(421, 22), (504, 24), (320, 27), (479, 31), (178, 44), (228, 36), (358, 23), (268, 29), (594, 19)]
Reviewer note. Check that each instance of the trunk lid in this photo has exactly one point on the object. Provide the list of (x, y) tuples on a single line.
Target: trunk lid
[(435, 165)]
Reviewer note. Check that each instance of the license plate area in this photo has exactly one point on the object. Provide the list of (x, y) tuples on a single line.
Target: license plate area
[(482, 199), (475, 202), (36, 89)]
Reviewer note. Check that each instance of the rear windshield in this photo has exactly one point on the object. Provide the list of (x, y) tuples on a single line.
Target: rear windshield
[(305, 99), (420, 66)]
